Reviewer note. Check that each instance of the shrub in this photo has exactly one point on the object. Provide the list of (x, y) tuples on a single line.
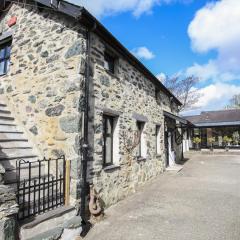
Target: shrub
[(227, 140), (196, 140), (211, 140)]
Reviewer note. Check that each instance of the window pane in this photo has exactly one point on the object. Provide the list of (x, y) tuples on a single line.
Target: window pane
[(2, 53), (108, 150), (108, 125), (8, 51), (108, 140), (7, 63), (109, 62), (158, 139), (2, 65), (139, 128)]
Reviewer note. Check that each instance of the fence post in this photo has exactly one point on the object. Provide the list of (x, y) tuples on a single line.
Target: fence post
[(67, 182)]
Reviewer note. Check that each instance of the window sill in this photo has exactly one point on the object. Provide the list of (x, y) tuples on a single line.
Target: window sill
[(111, 74), (141, 159), (111, 167)]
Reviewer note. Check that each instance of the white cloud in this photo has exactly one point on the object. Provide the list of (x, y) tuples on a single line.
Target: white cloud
[(143, 53), (214, 97), (161, 77), (211, 70), (216, 27), (102, 8)]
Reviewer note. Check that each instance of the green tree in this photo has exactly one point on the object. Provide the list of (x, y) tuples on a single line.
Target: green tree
[(211, 140), (196, 141)]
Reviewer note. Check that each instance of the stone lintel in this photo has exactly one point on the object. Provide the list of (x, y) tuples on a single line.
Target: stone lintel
[(140, 117), (5, 36), (158, 123), (110, 111)]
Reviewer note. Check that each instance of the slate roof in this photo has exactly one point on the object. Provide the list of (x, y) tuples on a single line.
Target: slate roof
[(216, 118)]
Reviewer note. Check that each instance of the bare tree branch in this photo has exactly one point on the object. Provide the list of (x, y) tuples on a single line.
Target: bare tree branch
[(184, 89), (131, 140), (234, 102)]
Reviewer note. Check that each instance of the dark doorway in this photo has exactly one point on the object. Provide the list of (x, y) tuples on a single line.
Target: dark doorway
[(166, 149)]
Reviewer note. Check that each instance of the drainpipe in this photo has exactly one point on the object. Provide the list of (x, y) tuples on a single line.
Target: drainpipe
[(85, 145)]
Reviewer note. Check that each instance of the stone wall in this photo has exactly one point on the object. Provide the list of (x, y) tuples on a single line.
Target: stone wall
[(128, 93), (45, 89), (8, 210), (44, 85)]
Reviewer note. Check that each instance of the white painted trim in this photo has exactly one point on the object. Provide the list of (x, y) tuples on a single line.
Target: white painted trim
[(116, 137), (158, 140)]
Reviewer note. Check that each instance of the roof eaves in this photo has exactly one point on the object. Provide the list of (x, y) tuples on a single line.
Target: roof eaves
[(218, 124), (175, 117)]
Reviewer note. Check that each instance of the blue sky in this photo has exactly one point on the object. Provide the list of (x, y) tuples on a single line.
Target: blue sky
[(186, 37)]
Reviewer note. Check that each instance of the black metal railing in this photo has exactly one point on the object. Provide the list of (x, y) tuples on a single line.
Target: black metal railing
[(40, 186)]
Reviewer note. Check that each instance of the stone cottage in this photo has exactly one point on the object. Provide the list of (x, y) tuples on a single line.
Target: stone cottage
[(68, 87)]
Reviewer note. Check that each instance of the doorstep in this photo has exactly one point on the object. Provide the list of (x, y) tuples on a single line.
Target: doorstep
[(175, 168)]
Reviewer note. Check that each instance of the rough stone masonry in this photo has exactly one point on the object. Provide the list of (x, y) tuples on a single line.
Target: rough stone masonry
[(45, 86), (8, 209), (45, 82)]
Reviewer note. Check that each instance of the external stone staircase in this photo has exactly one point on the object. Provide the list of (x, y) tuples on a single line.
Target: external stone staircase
[(14, 145), (60, 223)]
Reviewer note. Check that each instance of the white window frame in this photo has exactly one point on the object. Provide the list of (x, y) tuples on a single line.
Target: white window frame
[(158, 139), (115, 141), (142, 144)]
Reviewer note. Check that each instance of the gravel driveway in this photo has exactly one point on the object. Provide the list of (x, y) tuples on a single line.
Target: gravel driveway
[(202, 202)]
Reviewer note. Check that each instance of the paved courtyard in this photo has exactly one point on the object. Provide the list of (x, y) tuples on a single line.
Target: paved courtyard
[(202, 202)]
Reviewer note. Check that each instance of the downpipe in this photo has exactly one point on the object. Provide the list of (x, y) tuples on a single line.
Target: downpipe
[(85, 142)]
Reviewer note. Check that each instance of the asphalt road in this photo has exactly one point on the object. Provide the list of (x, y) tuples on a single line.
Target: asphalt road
[(202, 202)]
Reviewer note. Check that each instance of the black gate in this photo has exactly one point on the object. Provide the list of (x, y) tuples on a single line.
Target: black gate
[(40, 186)]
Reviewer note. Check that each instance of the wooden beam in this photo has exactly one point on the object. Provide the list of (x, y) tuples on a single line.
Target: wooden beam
[(67, 183)]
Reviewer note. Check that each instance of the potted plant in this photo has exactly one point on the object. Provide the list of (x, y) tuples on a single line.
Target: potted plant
[(236, 138), (227, 140), (197, 141), (211, 140)]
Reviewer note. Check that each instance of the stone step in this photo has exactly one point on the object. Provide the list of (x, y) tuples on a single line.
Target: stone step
[(52, 199), (20, 143), (6, 117), (3, 106), (11, 163), (26, 156), (71, 229), (11, 152), (43, 223), (11, 177), (16, 147), (4, 112), (6, 120), (13, 140), (11, 135), (12, 171), (52, 234), (8, 128)]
